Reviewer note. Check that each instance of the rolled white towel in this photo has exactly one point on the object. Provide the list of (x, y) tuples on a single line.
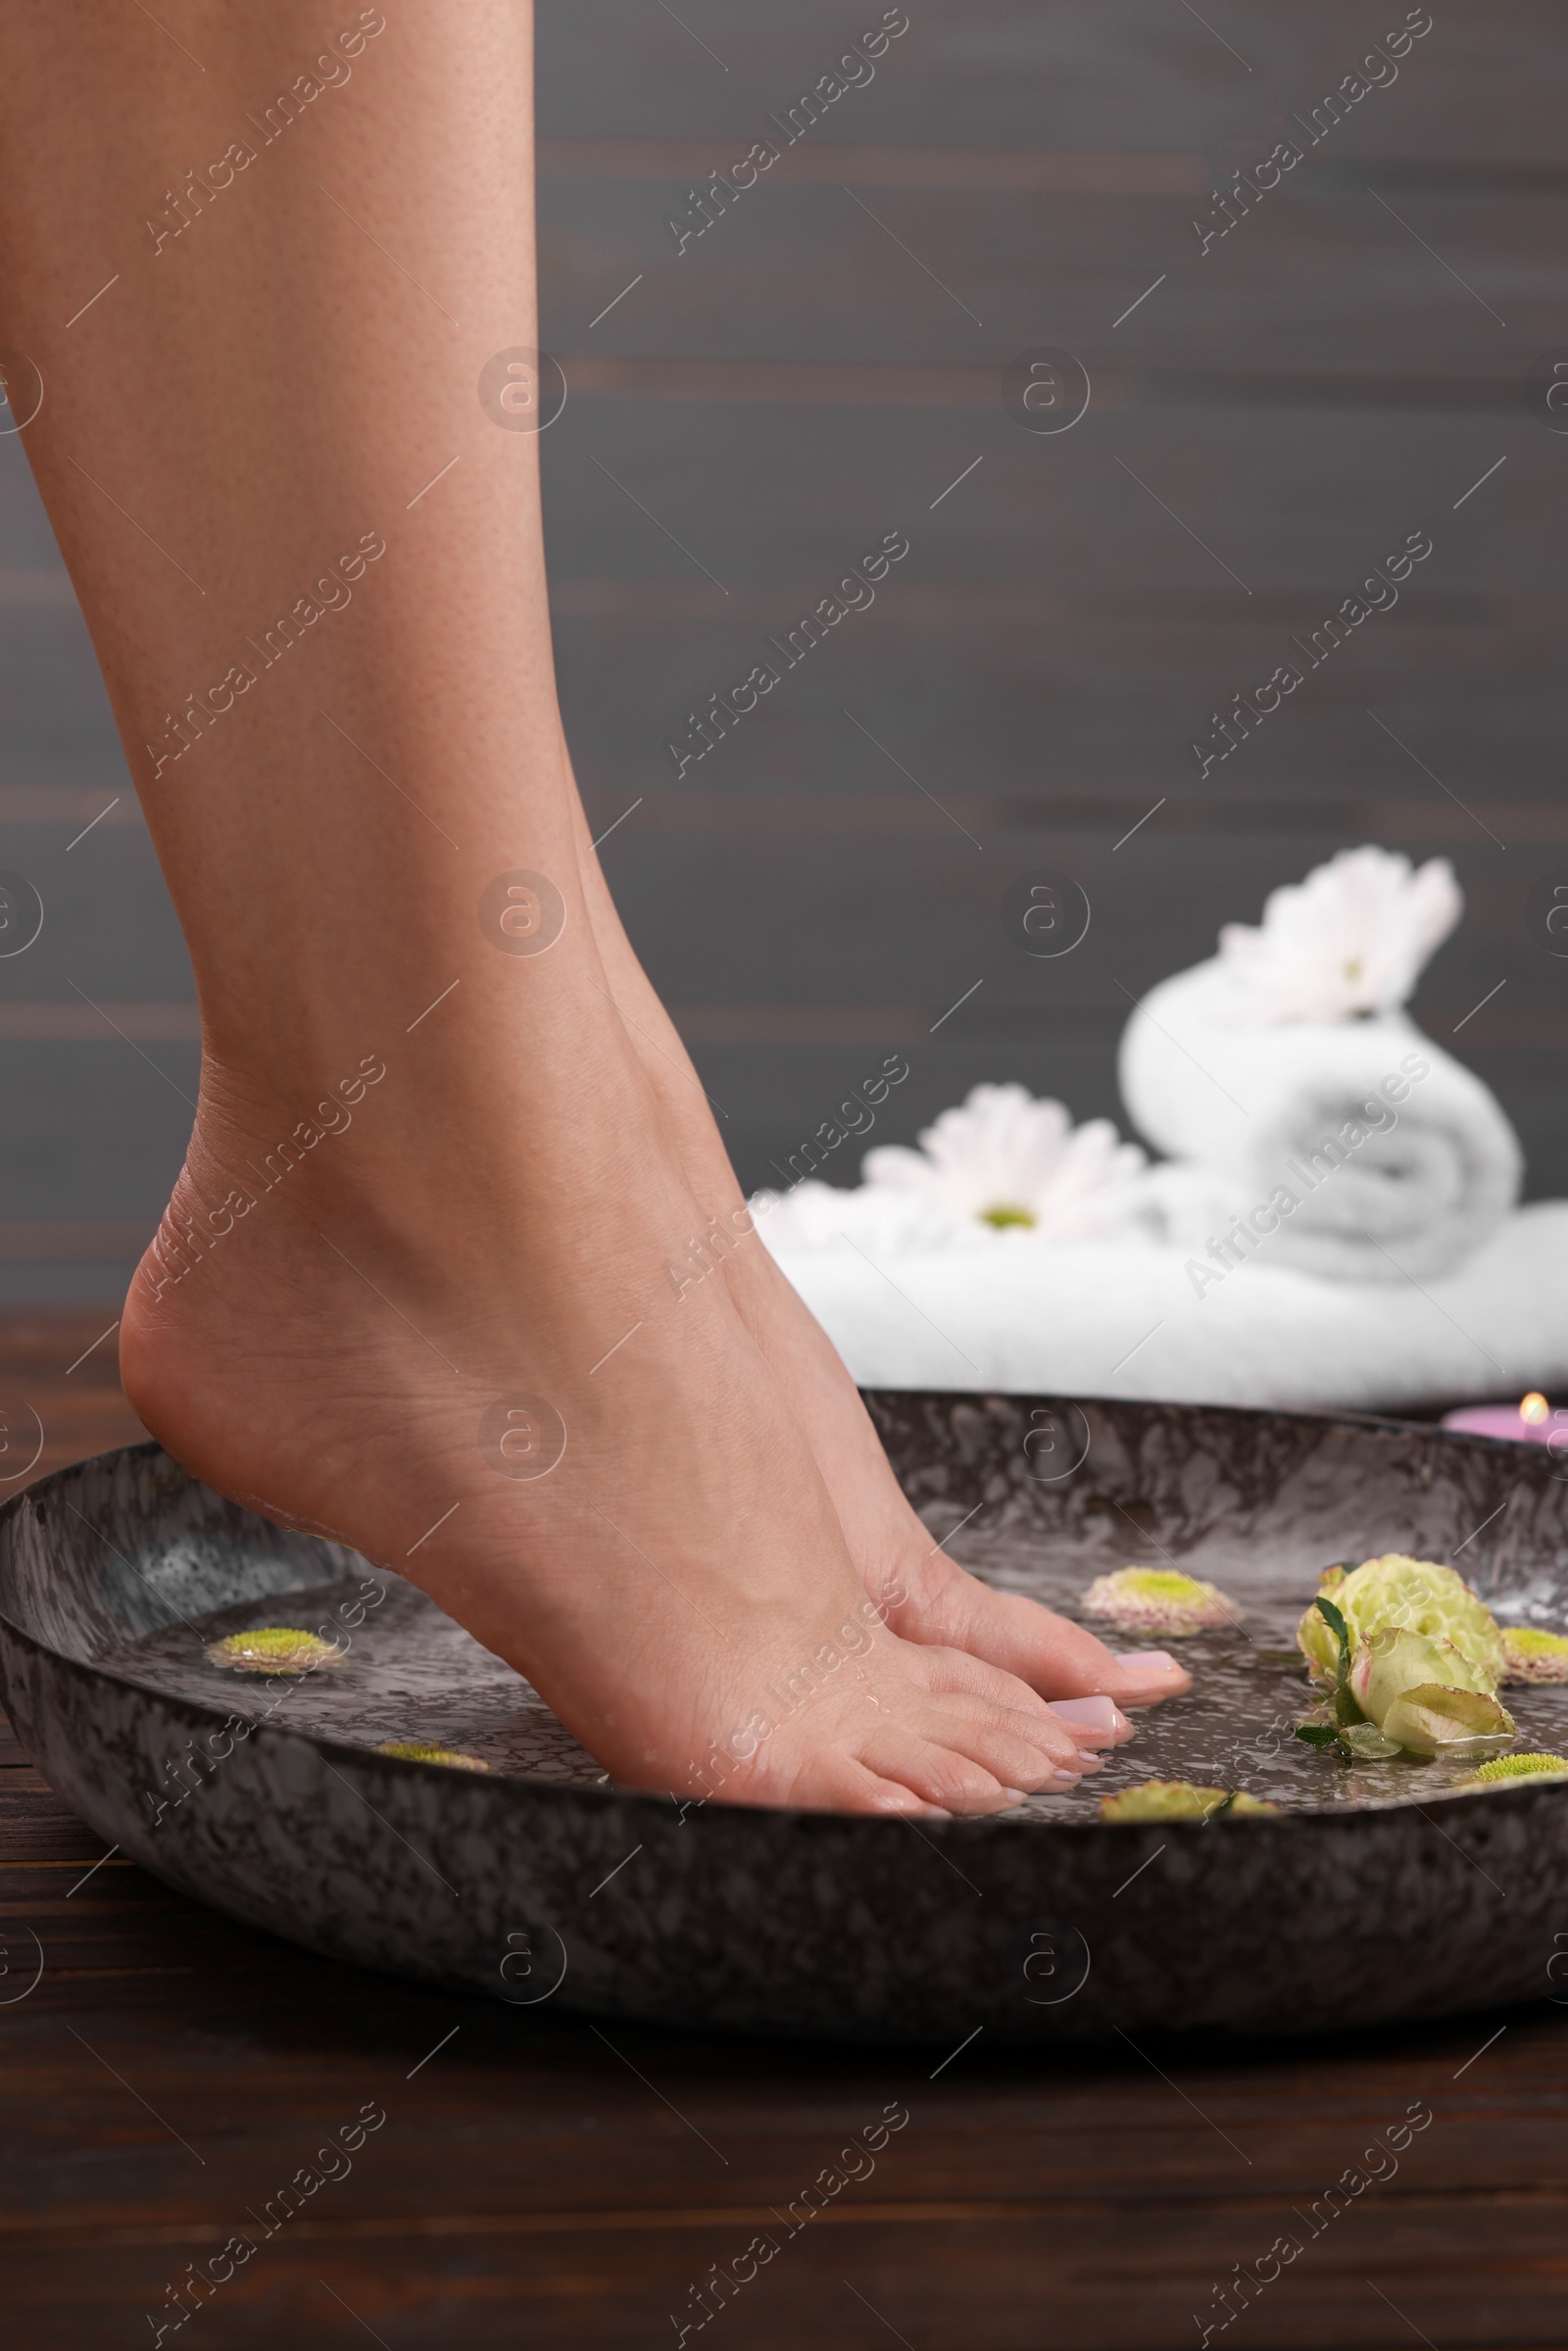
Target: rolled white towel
[(1354, 1148)]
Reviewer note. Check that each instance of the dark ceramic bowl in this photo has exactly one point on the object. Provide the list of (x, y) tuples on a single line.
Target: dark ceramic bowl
[(1374, 1893)]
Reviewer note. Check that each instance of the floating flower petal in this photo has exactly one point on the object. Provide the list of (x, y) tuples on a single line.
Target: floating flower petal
[(1431, 1720), (1367, 1743)]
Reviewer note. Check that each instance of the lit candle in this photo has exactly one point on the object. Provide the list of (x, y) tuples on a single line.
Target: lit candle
[(1532, 1421)]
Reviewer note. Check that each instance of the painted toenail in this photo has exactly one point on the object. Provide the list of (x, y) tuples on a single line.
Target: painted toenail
[(1096, 1714)]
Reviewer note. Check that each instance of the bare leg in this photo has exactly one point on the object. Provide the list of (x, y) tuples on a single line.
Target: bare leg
[(411, 1286)]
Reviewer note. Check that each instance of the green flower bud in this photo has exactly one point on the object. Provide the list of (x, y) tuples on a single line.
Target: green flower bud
[(1177, 1800), (275, 1649), (420, 1750), (1395, 1593), (1158, 1600), (1532, 1656)]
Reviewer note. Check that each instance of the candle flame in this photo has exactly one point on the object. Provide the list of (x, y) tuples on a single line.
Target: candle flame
[(1534, 1407)]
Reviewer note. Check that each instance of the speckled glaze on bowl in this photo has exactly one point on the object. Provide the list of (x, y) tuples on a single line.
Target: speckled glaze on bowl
[(538, 1881)]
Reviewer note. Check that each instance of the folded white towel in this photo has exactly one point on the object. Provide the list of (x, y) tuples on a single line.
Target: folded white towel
[(1121, 1318), (1355, 1149)]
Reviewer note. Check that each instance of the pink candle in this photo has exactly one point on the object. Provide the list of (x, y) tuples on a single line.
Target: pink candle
[(1532, 1421)]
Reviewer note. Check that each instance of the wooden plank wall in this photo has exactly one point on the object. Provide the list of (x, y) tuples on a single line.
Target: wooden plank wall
[(748, 416), (796, 381)]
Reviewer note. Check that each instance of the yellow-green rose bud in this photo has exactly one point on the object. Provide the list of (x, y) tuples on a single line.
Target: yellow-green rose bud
[(1398, 1594), (1393, 1662)]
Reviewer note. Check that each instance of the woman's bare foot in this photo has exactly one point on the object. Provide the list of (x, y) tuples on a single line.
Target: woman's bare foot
[(646, 1535), (928, 1596), (925, 1596)]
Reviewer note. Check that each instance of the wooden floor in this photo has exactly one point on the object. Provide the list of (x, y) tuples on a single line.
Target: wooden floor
[(540, 2182)]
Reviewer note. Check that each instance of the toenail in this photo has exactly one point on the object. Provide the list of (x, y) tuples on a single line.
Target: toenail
[(1096, 1714)]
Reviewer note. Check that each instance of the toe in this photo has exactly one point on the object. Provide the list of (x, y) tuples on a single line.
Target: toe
[(957, 1673), (859, 1788), (837, 1781), (1143, 1677), (1018, 1749), (1095, 1722), (964, 1675), (938, 1773), (1053, 1656)]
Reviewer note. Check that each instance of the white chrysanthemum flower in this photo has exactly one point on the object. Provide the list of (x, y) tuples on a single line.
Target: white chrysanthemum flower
[(1352, 938), (1012, 1163)]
